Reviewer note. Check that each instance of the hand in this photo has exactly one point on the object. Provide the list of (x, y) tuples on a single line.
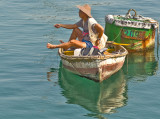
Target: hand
[(57, 25), (50, 46), (97, 42)]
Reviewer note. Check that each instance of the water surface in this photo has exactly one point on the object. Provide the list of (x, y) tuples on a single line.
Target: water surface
[(34, 84)]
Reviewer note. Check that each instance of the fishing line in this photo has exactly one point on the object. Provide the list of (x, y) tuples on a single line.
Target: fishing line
[(158, 40), (118, 34), (57, 62), (158, 34)]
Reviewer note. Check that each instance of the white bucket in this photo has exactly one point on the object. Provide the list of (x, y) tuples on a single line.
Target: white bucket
[(77, 52)]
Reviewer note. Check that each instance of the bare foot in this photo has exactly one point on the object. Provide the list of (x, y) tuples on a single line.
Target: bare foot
[(50, 46), (61, 41)]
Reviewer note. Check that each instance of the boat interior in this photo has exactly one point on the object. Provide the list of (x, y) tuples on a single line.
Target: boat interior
[(110, 49)]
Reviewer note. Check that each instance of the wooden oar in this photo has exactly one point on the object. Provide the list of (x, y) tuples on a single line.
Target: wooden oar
[(121, 44)]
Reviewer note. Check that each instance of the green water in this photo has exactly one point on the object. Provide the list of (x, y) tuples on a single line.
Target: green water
[(33, 83), (113, 95)]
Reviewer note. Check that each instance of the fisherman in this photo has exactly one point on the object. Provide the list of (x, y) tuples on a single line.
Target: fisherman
[(92, 34)]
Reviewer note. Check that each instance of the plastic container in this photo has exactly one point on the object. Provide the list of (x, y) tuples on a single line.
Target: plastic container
[(77, 52)]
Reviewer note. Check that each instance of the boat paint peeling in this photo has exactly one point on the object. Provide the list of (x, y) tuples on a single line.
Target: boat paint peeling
[(138, 40), (133, 34), (97, 70), (108, 70), (136, 30)]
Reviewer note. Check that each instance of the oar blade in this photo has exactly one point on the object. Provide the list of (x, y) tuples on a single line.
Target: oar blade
[(121, 44)]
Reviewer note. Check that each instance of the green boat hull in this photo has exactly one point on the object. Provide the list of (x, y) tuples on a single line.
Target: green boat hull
[(135, 30), (139, 39)]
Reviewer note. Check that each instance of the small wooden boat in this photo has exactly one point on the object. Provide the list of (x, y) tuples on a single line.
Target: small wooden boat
[(136, 30), (98, 67)]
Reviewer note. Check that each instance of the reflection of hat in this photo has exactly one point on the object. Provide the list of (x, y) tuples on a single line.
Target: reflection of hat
[(86, 9)]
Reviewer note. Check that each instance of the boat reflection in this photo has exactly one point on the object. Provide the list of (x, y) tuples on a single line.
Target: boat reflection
[(107, 96), (139, 65), (102, 97)]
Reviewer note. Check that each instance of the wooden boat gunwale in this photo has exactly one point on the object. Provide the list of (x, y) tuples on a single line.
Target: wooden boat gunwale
[(93, 57)]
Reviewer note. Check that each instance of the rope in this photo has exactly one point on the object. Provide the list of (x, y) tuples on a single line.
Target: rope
[(75, 69), (57, 55), (118, 34)]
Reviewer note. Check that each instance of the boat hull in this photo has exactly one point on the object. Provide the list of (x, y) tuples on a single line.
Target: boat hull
[(139, 39), (98, 67), (97, 70), (136, 30)]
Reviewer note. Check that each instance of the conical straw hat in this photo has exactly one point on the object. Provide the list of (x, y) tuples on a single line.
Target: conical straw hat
[(86, 9)]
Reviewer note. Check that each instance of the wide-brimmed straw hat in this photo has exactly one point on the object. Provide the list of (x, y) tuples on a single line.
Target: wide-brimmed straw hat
[(86, 9)]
